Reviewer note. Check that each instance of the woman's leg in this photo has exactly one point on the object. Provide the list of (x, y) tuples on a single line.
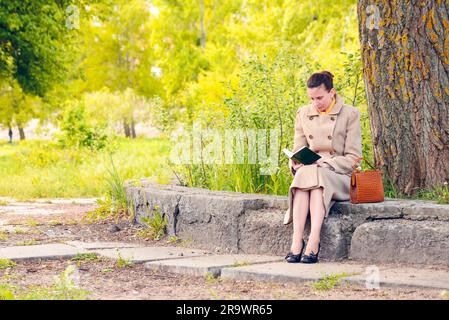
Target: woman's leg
[(300, 211), (317, 212)]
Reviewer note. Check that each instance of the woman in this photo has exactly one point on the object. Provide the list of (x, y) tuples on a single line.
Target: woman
[(332, 129)]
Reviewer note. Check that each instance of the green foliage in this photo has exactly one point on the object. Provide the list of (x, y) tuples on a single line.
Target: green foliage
[(79, 131), (30, 242), (241, 263), (155, 228), (235, 65), (329, 281), (85, 257), (3, 236), (269, 92), (116, 186), (122, 262), (63, 288), (6, 292), (210, 278), (37, 30), (116, 204), (6, 263), (439, 193), (104, 211), (41, 169), (173, 240)]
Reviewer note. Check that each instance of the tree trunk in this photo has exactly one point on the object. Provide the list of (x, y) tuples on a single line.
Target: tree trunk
[(133, 128), (21, 132), (405, 53), (126, 127)]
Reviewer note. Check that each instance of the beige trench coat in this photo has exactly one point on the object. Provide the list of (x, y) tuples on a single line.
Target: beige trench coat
[(337, 138)]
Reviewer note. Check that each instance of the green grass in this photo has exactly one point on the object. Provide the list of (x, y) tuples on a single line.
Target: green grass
[(241, 263), (329, 281), (6, 263), (173, 240), (85, 257), (3, 236), (246, 178), (155, 226), (31, 242), (63, 288), (123, 262), (33, 169)]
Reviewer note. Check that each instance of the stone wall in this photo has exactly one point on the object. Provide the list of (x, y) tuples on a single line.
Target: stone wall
[(231, 222)]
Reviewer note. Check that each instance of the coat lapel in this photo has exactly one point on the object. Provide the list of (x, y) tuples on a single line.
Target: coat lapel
[(319, 130)]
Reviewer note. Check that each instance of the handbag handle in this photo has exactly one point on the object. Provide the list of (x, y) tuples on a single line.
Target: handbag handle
[(364, 159)]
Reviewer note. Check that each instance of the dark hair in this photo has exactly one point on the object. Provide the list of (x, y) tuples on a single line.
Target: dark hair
[(319, 78)]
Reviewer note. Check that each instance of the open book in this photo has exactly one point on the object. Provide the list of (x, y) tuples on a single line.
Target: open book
[(304, 155)]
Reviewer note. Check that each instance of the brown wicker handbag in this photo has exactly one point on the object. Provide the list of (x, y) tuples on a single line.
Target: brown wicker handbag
[(366, 186)]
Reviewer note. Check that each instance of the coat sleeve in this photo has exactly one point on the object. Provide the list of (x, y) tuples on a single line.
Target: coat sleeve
[(299, 138), (353, 146)]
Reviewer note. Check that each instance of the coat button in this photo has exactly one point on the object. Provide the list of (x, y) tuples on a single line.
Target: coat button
[(310, 136), (329, 137), (332, 118)]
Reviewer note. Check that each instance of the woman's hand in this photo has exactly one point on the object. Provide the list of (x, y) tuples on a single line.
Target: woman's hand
[(320, 162)]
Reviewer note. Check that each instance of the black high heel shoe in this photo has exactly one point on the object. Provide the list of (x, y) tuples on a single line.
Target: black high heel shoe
[(295, 258), (312, 257)]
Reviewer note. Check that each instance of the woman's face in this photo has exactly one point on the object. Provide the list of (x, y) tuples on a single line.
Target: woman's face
[(321, 98)]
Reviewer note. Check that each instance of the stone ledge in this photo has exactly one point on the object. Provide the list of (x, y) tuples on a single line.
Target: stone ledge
[(233, 222), (425, 242)]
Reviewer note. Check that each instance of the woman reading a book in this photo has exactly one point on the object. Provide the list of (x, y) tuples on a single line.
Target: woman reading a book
[(331, 129)]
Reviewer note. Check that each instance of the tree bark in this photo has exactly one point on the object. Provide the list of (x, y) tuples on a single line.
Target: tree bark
[(405, 53), (126, 127), (21, 132), (133, 128)]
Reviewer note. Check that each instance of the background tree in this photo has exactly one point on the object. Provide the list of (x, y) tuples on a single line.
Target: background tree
[(34, 50), (405, 51), (118, 54)]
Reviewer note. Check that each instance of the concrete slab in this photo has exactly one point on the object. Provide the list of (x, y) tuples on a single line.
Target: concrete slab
[(102, 245), (81, 201), (199, 266), (139, 255), (369, 276), (44, 251), (30, 208), (289, 272), (401, 241), (408, 277)]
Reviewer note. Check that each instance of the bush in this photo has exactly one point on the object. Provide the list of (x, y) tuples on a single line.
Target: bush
[(78, 130)]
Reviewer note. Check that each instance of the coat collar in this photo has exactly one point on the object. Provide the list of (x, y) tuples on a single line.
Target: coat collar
[(312, 111)]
